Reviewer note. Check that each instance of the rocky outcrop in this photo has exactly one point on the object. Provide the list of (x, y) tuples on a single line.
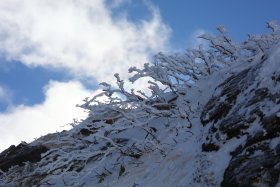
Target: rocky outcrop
[(244, 107), (18, 155)]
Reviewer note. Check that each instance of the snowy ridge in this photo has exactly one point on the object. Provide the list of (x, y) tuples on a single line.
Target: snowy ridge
[(203, 115)]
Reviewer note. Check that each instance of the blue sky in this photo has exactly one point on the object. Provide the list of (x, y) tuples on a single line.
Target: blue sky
[(184, 17), (48, 48), (239, 17)]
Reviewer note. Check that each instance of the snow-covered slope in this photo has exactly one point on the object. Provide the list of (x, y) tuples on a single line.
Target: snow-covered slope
[(220, 127)]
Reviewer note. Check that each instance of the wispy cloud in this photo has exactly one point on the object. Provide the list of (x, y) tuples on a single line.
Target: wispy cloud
[(5, 95)]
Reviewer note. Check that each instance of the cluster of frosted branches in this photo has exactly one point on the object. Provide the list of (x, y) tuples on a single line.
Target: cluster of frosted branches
[(181, 70), (171, 77)]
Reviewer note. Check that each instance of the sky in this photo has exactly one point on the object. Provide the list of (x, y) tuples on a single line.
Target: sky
[(53, 53)]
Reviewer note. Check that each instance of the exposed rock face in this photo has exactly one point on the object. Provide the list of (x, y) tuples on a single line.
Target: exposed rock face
[(243, 106), (18, 155)]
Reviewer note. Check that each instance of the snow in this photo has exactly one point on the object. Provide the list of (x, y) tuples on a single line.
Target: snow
[(272, 63), (274, 142)]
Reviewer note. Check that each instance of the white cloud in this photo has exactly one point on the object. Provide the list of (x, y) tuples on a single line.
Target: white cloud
[(24, 123), (117, 3), (79, 35), (2, 93), (5, 95)]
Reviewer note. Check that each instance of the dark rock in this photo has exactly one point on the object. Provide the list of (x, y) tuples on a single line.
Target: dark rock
[(233, 126), (220, 111), (258, 137), (255, 170), (260, 95), (209, 147), (272, 124), (218, 108), (18, 155), (86, 132), (255, 163)]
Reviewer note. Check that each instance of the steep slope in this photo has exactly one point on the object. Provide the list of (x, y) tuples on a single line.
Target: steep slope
[(212, 125), (247, 106)]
